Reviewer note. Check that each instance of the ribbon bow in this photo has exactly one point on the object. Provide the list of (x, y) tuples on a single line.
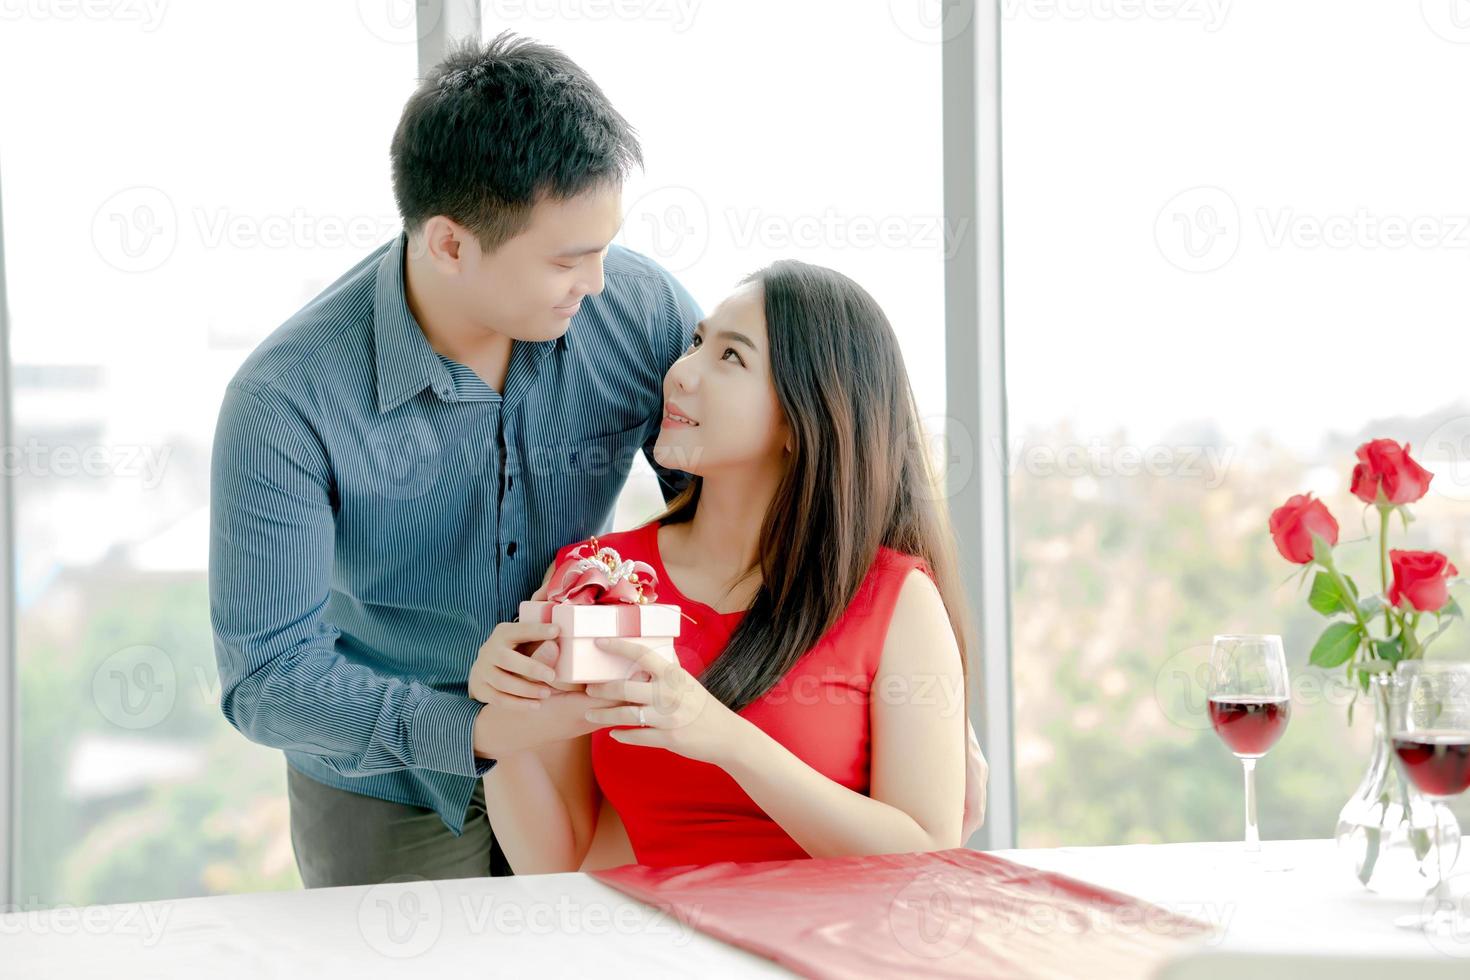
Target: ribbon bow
[(602, 576)]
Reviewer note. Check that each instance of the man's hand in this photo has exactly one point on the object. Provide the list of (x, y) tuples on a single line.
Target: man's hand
[(500, 732), (977, 773), (508, 675)]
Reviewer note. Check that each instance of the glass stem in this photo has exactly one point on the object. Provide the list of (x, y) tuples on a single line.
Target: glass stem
[(1252, 833), (1442, 897)]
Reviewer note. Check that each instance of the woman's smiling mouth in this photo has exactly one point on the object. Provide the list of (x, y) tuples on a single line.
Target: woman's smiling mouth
[(674, 417)]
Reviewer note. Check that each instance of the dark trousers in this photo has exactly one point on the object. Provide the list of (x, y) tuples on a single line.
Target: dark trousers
[(344, 838)]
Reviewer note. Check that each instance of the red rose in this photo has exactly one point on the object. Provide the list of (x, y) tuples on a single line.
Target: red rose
[(1382, 464), (1292, 525), (1422, 577)]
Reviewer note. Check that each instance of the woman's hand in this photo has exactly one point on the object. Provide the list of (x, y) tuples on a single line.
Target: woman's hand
[(678, 713)]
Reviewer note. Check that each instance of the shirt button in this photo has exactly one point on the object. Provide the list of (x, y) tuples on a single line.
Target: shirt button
[(510, 549)]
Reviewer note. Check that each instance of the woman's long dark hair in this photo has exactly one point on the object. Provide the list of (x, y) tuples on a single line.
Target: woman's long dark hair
[(857, 478)]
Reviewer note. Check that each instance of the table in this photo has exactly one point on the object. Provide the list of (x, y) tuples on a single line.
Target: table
[(1314, 920), (572, 925)]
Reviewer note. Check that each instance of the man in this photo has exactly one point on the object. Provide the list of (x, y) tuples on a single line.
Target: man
[(396, 465)]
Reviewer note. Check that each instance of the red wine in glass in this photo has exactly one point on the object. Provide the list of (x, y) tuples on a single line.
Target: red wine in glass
[(1249, 725), (1437, 762), (1430, 725), (1250, 704)]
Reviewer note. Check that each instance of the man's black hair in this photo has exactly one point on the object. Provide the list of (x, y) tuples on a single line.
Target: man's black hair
[(496, 126)]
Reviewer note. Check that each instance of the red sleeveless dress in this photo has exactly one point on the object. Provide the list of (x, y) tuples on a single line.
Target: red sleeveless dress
[(679, 811)]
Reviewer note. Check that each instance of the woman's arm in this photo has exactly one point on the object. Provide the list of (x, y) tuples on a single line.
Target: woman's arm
[(918, 750), (610, 845), (543, 803)]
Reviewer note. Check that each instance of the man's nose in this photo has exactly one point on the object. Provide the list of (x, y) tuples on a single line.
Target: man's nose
[(595, 280)]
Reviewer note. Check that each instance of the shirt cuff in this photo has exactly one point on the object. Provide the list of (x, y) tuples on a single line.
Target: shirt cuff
[(442, 734)]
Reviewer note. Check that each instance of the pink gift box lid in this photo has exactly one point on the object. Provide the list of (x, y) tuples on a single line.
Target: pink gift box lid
[(612, 619)]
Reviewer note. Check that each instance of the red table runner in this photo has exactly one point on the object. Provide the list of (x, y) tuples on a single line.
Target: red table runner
[(953, 913)]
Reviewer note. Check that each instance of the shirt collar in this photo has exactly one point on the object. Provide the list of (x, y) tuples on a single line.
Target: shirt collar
[(406, 364)]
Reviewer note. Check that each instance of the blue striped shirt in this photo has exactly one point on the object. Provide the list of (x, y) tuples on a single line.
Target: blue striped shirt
[(376, 509)]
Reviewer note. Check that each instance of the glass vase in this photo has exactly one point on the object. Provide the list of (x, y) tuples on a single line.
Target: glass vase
[(1386, 831)]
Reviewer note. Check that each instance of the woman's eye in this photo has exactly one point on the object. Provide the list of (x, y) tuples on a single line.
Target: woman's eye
[(731, 350), (696, 341)]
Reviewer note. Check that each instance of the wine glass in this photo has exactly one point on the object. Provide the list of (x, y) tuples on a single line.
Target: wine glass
[(1250, 705), (1430, 727)]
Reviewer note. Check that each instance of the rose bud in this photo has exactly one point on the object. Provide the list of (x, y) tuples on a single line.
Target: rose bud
[(1422, 577), (1292, 525), (1384, 465)]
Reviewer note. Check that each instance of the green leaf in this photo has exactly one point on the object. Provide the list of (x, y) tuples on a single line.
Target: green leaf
[(1391, 650), (1327, 597), (1336, 645), (1452, 608), (1372, 837)]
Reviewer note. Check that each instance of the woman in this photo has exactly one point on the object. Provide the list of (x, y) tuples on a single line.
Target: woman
[(818, 705)]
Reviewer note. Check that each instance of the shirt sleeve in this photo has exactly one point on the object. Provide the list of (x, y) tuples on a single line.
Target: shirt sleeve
[(282, 681), (680, 315)]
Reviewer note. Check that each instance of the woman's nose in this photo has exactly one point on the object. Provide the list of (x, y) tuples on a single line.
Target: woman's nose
[(684, 375)]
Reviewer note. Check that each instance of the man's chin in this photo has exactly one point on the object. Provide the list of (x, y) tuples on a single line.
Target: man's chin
[(540, 330)]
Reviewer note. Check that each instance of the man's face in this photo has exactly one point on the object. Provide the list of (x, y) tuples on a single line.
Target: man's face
[(530, 287)]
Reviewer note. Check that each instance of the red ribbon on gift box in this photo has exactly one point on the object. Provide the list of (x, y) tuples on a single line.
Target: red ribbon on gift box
[(602, 576)]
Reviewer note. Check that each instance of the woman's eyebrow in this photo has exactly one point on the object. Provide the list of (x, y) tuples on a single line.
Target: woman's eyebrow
[(738, 338)]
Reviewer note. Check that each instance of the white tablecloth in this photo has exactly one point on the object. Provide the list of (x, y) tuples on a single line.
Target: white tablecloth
[(571, 925), (1289, 924)]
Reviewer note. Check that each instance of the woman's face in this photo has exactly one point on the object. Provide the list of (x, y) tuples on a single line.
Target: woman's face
[(722, 385)]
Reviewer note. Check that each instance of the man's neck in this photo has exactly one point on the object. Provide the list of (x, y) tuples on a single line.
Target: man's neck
[(485, 352)]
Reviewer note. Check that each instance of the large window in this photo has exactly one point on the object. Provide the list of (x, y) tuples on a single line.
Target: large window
[(774, 130), (171, 198), (1235, 244), (178, 181), (1236, 239)]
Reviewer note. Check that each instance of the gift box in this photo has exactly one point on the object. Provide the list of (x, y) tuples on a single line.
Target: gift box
[(596, 593)]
